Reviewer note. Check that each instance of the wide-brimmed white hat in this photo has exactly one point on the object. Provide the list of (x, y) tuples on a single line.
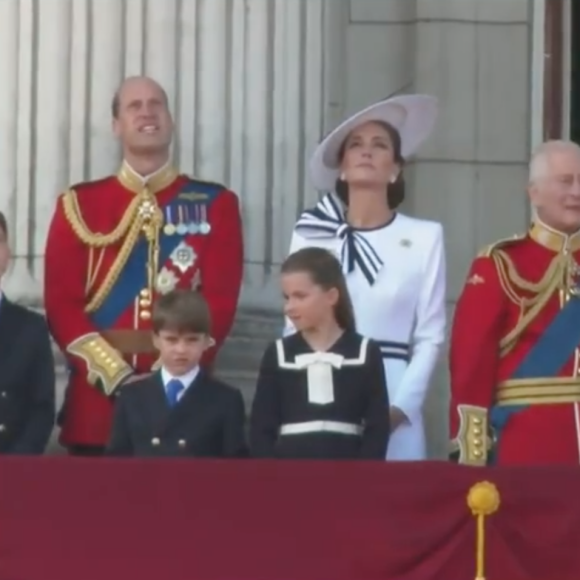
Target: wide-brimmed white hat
[(412, 115)]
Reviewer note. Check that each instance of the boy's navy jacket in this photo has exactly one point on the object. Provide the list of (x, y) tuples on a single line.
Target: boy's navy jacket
[(208, 421)]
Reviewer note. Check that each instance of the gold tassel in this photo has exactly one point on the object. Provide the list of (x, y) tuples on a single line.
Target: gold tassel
[(483, 500)]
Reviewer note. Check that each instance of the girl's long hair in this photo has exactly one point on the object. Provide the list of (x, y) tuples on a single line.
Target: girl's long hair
[(325, 271)]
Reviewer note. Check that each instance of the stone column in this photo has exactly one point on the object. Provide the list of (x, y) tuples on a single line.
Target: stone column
[(381, 51), (35, 109), (279, 116), (475, 56)]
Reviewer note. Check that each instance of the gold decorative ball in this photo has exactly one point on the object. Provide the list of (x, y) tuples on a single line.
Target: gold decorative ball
[(483, 498)]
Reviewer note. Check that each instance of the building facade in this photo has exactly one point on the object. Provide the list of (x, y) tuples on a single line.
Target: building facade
[(253, 85)]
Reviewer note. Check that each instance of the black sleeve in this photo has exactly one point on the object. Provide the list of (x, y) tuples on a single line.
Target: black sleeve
[(265, 416), (234, 443), (376, 430), (120, 443), (41, 415)]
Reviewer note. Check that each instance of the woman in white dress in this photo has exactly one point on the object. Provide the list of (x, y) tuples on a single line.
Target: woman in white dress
[(394, 264)]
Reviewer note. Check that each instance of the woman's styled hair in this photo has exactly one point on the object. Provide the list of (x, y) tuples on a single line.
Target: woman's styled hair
[(395, 191), (325, 271)]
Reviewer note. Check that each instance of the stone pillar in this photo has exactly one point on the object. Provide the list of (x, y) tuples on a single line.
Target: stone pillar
[(475, 56), (33, 105), (380, 39), (279, 118)]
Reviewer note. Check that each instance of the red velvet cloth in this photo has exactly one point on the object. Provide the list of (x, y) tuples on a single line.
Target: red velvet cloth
[(100, 519)]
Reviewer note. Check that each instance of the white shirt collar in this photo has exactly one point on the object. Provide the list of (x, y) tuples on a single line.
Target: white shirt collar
[(145, 178), (186, 379)]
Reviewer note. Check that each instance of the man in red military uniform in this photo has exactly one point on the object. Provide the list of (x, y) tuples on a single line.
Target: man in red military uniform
[(515, 343), (115, 244)]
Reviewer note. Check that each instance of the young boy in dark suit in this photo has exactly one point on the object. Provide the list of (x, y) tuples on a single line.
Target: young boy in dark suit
[(179, 411), (27, 373)]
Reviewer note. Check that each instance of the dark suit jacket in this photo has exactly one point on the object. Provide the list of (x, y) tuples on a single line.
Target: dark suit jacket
[(27, 381), (208, 421)]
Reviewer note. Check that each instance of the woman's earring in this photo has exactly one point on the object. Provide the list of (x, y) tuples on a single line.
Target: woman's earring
[(393, 178), (342, 177)]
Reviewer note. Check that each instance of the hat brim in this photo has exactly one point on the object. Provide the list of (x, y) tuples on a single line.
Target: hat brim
[(412, 115)]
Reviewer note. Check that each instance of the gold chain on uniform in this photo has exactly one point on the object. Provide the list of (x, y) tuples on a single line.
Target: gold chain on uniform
[(142, 215)]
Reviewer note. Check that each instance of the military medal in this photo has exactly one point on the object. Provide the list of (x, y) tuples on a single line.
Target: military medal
[(182, 228), (183, 257), (194, 223), (166, 281), (204, 227), (189, 222), (147, 209), (169, 228)]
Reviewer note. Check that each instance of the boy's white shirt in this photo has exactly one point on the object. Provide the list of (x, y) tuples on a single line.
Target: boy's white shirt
[(186, 379)]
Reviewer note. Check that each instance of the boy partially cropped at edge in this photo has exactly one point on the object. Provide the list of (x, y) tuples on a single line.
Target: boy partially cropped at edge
[(179, 411), (27, 371)]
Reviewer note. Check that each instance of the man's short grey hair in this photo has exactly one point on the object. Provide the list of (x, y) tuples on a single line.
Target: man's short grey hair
[(540, 161)]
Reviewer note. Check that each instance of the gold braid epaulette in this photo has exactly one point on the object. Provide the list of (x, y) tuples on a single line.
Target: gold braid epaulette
[(530, 297), (129, 227), (72, 212), (490, 249)]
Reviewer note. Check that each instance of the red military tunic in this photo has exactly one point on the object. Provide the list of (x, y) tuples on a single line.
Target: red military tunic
[(112, 246), (514, 292)]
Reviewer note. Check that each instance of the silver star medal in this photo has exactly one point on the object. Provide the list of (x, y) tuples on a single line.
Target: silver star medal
[(183, 257), (166, 281), (147, 209)]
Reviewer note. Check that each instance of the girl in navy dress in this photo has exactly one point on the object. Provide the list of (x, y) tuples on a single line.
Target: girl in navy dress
[(321, 392)]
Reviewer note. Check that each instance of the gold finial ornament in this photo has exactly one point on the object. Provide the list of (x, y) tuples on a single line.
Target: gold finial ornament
[(483, 500)]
